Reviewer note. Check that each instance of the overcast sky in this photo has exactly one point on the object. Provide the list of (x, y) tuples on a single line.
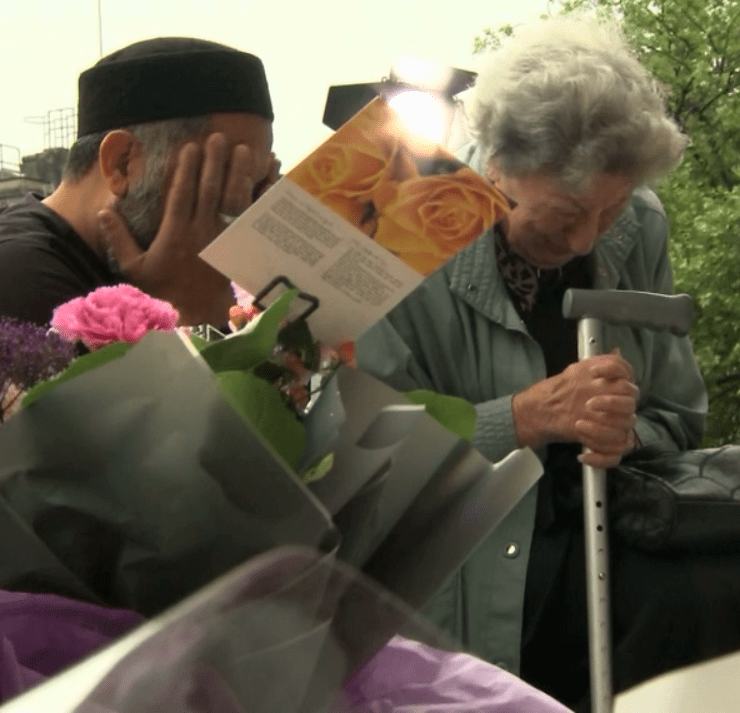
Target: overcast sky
[(306, 46)]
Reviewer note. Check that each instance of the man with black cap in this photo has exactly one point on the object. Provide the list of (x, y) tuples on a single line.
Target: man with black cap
[(174, 140)]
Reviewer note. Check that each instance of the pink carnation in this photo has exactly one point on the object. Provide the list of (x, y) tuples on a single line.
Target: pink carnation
[(113, 314)]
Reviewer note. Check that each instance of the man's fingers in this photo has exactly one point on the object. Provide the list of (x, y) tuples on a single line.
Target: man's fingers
[(118, 239), (271, 178), (237, 194), (180, 201), (212, 178), (273, 173)]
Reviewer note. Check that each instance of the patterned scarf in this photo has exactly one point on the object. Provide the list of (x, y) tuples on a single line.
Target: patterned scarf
[(520, 278)]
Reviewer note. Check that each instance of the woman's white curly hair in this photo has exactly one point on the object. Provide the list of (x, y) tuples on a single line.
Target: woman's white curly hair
[(567, 97)]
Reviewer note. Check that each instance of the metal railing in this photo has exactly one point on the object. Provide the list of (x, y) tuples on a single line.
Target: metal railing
[(59, 125)]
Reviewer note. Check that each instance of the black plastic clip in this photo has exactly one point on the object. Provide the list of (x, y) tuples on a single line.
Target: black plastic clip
[(313, 302)]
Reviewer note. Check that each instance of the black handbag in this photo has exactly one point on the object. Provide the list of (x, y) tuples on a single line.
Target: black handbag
[(661, 499)]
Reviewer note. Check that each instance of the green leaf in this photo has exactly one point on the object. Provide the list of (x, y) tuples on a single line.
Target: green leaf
[(262, 406), (252, 344), (457, 415), (87, 362), (318, 470), (198, 342)]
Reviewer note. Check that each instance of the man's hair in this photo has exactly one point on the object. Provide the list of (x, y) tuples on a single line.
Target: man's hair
[(158, 139), (568, 98)]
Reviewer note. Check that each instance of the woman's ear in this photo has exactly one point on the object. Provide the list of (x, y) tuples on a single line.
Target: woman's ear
[(118, 150)]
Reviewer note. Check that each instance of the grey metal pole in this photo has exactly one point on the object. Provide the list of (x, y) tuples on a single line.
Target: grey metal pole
[(640, 310), (590, 343)]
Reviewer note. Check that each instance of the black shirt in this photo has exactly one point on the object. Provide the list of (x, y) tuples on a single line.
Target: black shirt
[(43, 262)]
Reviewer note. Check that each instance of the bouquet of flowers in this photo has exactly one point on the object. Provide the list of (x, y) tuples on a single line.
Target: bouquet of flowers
[(147, 461), (160, 459), (261, 353)]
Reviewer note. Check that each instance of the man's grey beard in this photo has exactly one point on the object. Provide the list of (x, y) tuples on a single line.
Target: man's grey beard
[(142, 208)]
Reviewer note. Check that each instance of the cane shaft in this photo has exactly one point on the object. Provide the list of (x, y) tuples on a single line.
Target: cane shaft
[(597, 552), (639, 310)]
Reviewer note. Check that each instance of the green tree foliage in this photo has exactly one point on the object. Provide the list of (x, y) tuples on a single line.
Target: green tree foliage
[(705, 252), (693, 48), (491, 39)]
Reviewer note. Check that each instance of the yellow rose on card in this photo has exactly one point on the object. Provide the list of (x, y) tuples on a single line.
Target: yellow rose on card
[(425, 220), (359, 213), (349, 164), (345, 170)]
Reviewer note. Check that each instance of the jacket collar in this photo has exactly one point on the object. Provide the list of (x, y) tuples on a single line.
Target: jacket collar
[(613, 248), (475, 279)]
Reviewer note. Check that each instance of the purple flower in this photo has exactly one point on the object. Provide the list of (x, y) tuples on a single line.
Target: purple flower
[(28, 355)]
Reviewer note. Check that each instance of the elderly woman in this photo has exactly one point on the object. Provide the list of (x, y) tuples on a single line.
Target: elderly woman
[(570, 127)]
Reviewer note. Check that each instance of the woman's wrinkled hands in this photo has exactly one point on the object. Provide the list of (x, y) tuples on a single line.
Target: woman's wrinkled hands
[(593, 402)]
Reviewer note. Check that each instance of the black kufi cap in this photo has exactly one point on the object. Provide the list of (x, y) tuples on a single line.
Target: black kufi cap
[(170, 78)]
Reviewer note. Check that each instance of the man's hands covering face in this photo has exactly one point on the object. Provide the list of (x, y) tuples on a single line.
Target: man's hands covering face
[(592, 402), (206, 181)]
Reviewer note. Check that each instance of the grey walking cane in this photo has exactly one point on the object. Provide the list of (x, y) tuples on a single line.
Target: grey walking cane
[(644, 310)]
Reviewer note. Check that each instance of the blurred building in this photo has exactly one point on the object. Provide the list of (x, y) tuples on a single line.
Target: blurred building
[(48, 165), (40, 172)]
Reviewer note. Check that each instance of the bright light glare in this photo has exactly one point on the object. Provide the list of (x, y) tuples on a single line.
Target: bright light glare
[(424, 113), (422, 73)]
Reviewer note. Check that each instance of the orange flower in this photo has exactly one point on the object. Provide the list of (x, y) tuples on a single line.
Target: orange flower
[(239, 316), (427, 219), (346, 353)]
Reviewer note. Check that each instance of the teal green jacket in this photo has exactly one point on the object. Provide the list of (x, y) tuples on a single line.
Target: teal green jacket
[(460, 334)]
